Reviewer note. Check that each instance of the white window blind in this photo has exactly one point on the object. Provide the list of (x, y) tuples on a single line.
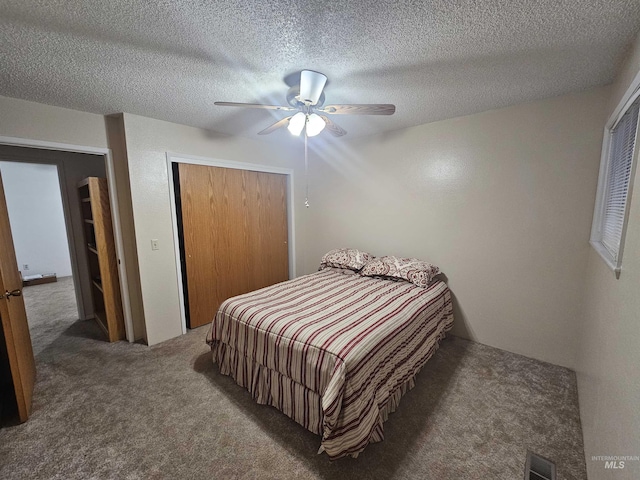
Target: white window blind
[(616, 187)]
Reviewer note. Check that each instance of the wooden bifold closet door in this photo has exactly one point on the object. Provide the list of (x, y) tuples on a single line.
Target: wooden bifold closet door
[(234, 234)]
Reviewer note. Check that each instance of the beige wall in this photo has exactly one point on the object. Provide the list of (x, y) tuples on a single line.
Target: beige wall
[(501, 201), (608, 365), (36, 121), (148, 141)]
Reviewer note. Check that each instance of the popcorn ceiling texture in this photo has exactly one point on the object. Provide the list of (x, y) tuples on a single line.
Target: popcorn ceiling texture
[(171, 59)]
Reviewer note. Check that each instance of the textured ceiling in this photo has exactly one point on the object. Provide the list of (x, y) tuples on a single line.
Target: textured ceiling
[(171, 59)]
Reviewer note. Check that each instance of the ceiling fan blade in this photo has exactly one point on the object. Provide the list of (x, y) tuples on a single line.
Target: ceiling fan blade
[(280, 123), (255, 105), (311, 85), (362, 109), (333, 128)]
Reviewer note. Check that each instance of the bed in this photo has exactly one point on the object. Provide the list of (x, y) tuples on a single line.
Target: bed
[(333, 350)]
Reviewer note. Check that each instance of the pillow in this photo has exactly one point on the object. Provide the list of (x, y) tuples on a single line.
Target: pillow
[(344, 271), (350, 258), (416, 271)]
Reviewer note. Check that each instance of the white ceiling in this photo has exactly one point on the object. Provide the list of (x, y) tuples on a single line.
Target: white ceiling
[(171, 59)]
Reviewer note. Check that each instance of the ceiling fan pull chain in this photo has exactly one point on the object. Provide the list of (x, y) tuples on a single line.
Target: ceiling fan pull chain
[(306, 171)]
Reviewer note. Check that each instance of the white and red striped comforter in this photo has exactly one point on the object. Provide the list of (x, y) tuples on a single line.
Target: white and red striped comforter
[(334, 352)]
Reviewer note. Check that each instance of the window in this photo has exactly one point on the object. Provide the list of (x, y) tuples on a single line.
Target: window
[(614, 184)]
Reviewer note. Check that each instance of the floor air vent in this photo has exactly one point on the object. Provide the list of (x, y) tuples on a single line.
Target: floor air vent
[(539, 468)]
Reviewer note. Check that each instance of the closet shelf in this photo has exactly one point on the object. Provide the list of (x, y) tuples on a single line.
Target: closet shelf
[(101, 321), (97, 285), (101, 256)]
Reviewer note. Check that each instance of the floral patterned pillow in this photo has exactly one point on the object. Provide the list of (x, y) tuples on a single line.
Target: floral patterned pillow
[(416, 271), (350, 258)]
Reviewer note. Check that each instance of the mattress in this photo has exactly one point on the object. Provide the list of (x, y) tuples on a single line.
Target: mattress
[(334, 352)]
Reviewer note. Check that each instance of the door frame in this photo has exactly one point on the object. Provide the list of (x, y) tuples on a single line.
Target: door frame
[(216, 162), (113, 200)]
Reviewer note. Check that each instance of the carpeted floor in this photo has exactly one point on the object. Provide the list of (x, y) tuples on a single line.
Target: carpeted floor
[(127, 411)]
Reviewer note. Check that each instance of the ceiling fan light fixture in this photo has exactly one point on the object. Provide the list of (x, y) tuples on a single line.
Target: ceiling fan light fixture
[(296, 124), (315, 124), (311, 86), (308, 98)]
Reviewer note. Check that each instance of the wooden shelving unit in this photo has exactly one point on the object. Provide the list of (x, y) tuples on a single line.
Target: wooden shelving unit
[(102, 259)]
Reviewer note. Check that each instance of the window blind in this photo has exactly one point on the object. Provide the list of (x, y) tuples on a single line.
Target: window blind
[(623, 139)]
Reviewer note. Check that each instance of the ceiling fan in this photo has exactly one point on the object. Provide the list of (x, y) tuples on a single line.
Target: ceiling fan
[(307, 100)]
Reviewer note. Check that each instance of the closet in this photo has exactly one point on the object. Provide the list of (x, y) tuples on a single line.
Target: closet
[(232, 230)]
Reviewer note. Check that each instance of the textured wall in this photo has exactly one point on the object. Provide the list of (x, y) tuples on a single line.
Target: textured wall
[(53, 124), (34, 203), (501, 201), (609, 353), (148, 141)]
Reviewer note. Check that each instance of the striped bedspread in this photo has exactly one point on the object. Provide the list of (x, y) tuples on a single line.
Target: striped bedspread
[(334, 352)]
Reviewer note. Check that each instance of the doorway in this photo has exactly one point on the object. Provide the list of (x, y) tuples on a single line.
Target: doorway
[(71, 168), (65, 301), (34, 204)]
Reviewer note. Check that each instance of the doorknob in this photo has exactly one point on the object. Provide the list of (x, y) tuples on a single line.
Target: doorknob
[(14, 293)]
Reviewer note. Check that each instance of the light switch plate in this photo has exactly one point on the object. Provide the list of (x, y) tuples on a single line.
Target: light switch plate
[(154, 244)]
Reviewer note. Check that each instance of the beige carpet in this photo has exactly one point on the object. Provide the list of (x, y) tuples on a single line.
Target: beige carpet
[(126, 411)]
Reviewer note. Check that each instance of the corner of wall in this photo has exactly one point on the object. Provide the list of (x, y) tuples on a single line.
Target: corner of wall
[(116, 140), (607, 358)]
